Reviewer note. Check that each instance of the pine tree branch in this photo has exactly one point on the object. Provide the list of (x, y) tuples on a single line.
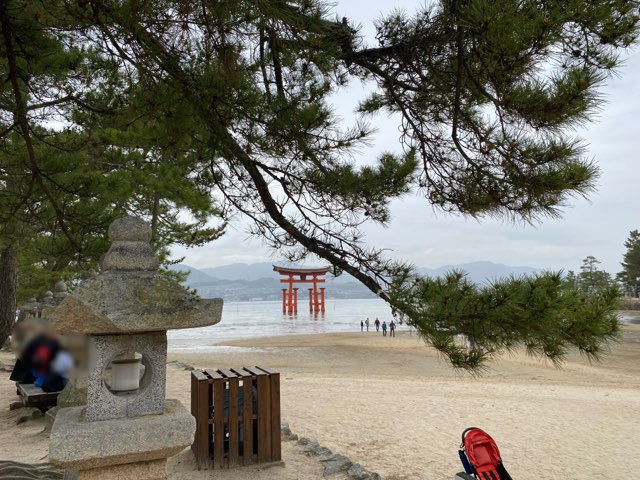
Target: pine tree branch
[(190, 90), (20, 118)]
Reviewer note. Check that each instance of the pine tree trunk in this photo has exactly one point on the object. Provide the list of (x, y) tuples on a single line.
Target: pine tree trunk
[(8, 291)]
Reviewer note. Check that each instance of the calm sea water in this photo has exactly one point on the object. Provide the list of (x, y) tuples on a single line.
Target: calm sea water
[(630, 317), (265, 319)]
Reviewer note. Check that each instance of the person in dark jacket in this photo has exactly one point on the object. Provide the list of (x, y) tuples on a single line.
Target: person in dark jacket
[(33, 366)]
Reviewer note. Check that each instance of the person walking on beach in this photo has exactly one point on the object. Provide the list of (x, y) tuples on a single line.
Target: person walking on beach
[(384, 329), (361, 326), (392, 329), (377, 324), (366, 323)]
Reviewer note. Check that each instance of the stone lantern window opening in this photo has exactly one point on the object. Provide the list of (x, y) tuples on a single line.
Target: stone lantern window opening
[(148, 399), (127, 374)]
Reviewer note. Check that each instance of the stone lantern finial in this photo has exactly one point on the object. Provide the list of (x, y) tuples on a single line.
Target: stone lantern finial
[(130, 246), (60, 289), (48, 299)]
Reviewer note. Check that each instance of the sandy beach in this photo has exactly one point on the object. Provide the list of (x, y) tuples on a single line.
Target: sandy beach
[(394, 406)]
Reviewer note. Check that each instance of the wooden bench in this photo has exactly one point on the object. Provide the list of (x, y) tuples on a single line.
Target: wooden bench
[(32, 396), (237, 415)]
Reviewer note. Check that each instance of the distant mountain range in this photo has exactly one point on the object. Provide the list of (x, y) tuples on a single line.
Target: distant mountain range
[(258, 281), (480, 272)]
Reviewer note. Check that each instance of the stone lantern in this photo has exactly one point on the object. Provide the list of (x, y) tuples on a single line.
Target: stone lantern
[(30, 307), (125, 311), (60, 290)]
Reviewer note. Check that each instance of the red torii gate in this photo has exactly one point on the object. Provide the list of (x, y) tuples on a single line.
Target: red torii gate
[(301, 275)]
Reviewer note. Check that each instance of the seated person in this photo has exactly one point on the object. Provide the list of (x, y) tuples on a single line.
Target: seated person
[(43, 363)]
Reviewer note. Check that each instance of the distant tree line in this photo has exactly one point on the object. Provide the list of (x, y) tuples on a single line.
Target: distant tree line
[(593, 279), (629, 277)]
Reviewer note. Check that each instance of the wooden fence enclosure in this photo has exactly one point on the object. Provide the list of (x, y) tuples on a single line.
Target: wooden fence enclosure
[(237, 414)]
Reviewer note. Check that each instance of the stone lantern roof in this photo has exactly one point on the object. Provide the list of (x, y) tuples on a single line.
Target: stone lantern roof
[(130, 295)]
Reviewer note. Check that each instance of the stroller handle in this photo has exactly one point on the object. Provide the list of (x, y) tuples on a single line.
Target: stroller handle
[(466, 430)]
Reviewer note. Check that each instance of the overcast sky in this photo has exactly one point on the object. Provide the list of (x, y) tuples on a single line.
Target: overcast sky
[(598, 226)]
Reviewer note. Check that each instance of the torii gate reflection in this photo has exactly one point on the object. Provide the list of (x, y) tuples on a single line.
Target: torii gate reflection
[(302, 275)]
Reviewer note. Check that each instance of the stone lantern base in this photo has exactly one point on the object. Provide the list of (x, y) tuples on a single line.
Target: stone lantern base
[(130, 448), (152, 470)]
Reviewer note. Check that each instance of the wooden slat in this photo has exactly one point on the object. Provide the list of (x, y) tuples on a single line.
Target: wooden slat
[(218, 420), (194, 411), (247, 416), (194, 382), (202, 422), (199, 375), (264, 415), (227, 372), (240, 372), (217, 402), (213, 374), (267, 370), (276, 448), (234, 383), (255, 371)]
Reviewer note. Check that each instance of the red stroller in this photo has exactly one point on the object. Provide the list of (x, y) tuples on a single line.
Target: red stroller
[(480, 457)]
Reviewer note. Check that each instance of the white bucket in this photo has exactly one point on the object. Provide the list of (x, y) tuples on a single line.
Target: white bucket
[(125, 374)]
